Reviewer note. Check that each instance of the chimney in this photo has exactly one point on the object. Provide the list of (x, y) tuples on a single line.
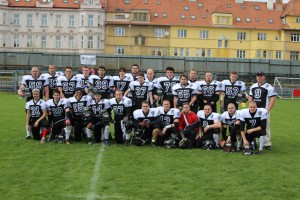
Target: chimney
[(239, 1), (270, 4), (278, 5)]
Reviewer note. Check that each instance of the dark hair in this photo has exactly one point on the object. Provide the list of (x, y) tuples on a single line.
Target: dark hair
[(140, 74), (183, 75), (167, 100), (101, 67), (68, 68), (135, 65), (234, 73), (56, 91), (122, 69), (170, 69), (186, 103)]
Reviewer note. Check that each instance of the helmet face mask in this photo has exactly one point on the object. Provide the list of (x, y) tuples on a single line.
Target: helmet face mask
[(228, 147), (169, 143), (248, 150), (208, 145)]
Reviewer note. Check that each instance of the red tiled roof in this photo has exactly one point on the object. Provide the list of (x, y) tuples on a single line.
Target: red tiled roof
[(56, 3), (292, 8), (175, 9)]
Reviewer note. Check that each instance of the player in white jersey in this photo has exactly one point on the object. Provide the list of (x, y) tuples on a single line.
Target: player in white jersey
[(141, 90), (78, 106), (59, 116), (209, 91), (253, 123), (121, 106), (264, 95), (68, 83), (103, 83), (231, 90), (230, 122), (52, 76), (84, 79), (101, 118), (166, 84), (36, 116), (169, 124), (134, 72), (185, 92), (150, 77), (122, 82), (145, 121), (210, 126)]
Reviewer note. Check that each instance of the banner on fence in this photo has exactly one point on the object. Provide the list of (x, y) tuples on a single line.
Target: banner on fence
[(88, 59)]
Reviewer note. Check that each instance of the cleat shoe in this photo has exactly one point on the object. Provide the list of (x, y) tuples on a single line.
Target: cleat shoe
[(43, 140), (106, 142), (268, 147), (127, 142), (260, 152), (68, 142), (28, 137), (153, 144), (90, 141), (238, 149)]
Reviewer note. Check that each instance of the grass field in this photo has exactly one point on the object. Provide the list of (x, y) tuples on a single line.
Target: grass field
[(29, 170)]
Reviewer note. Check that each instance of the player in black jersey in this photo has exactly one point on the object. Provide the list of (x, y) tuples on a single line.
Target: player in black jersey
[(122, 82), (52, 76), (68, 83)]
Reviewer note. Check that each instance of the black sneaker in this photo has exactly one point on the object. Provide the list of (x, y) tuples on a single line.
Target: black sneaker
[(127, 142), (90, 141), (153, 144), (28, 137), (260, 152), (268, 147)]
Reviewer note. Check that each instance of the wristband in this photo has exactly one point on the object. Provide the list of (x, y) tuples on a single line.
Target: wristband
[(169, 126)]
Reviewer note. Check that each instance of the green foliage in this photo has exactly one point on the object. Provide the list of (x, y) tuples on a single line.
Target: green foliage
[(30, 170)]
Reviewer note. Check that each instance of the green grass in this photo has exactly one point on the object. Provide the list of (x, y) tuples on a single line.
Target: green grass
[(29, 170)]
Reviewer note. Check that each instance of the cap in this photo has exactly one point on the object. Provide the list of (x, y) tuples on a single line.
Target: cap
[(260, 73)]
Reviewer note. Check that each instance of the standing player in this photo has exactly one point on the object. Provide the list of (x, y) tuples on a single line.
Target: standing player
[(122, 82), (230, 90), (52, 76), (264, 95), (134, 72), (230, 121), (59, 115), (150, 77), (193, 76), (209, 92), (210, 126), (84, 79), (36, 116), (185, 92), (170, 121), (68, 83), (166, 84), (141, 91), (99, 106), (145, 121), (103, 83), (121, 106), (255, 120), (78, 104)]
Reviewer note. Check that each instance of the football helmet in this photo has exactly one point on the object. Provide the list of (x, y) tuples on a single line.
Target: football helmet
[(208, 145), (128, 125), (248, 150), (228, 147), (185, 144), (139, 138), (60, 138), (105, 118), (170, 143)]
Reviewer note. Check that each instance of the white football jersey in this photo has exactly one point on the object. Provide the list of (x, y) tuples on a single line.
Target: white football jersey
[(122, 84), (140, 116), (166, 84), (36, 108), (83, 80), (261, 94), (169, 116), (140, 92), (229, 120), (102, 84), (184, 93), (58, 109), (253, 120), (231, 90), (97, 107), (52, 80), (68, 85), (78, 106), (208, 120), (119, 108)]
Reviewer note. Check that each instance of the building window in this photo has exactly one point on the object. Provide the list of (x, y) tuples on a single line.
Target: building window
[(90, 42), (241, 36), (16, 19), (164, 15), (219, 43), (278, 54), (248, 19), (298, 20), (208, 53), (29, 19), (181, 50), (29, 41), (261, 36), (203, 53), (240, 54), (71, 42), (58, 20), (16, 41), (187, 52), (43, 41), (294, 55), (258, 54), (58, 41), (44, 20), (153, 52), (142, 17), (120, 50), (182, 33), (197, 52), (295, 37), (265, 54), (71, 21), (159, 32), (143, 40), (225, 43), (98, 42), (82, 42), (238, 19), (136, 40), (82, 20), (4, 18), (119, 31), (175, 51), (203, 34), (91, 20), (91, 2)]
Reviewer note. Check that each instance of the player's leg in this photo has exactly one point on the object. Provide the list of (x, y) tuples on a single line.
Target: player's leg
[(268, 143)]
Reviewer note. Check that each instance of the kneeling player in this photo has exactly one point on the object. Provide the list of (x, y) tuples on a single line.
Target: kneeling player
[(59, 116), (255, 120), (145, 120), (36, 113), (210, 126), (170, 121)]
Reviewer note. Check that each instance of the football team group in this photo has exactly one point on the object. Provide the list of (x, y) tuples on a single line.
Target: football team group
[(165, 111)]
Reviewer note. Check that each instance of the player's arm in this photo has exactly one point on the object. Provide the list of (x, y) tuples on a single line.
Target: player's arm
[(46, 92), (150, 98), (20, 91), (271, 104), (27, 119), (127, 91), (36, 124), (215, 98), (175, 99), (222, 94), (61, 92), (193, 100), (216, 124), (199, 135)]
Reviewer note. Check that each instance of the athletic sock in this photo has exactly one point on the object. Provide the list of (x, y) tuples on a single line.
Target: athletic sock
[(262, 140)]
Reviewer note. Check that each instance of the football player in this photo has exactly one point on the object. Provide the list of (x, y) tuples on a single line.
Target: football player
[(59, 116), (230, 122), (209, 92), (230, 90), (134, 72), (193, 76), (68, 83), (185, 92), (84, 79), (122, 82), (101, 126), (103, 83), (170, 121), (145, 121), (78, 105), (121, 106), (264, 95), (141, 90), (52, 76), (210, 125), (253, 123), (36, 116), (166, 84), (150, 77)]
